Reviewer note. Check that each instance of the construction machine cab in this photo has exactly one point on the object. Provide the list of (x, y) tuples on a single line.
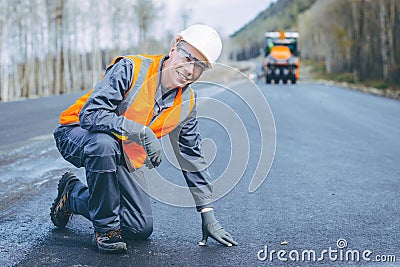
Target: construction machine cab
[(282, 57)]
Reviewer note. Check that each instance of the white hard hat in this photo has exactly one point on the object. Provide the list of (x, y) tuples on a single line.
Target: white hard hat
[(205, 39)]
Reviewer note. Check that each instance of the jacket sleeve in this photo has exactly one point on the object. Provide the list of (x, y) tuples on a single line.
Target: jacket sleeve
[(185, 141), (100, 111)]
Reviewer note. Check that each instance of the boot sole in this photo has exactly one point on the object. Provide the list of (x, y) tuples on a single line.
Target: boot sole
[(116, 248)]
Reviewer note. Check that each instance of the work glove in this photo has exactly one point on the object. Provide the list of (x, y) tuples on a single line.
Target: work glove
[(212, 228), (151, 145)]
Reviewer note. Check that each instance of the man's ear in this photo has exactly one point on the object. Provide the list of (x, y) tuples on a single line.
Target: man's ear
[(175, 41), (173, 44)]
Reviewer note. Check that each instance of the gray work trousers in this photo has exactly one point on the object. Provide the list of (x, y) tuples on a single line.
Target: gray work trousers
[(113, 198)]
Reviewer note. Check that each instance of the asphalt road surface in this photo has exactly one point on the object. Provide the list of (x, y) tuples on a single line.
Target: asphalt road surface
[(333, 188)]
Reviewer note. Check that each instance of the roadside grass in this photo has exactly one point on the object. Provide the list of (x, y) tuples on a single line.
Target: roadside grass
[(317, 71)]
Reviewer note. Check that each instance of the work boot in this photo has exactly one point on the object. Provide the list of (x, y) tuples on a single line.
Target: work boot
[(60, 212), (110, 242)]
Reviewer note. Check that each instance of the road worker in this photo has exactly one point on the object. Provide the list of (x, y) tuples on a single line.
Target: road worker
[(114, 130)]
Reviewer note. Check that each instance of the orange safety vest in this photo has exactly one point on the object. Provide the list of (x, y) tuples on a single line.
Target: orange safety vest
[(138, 105)]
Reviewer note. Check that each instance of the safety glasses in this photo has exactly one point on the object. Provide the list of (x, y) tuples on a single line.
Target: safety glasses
[(199, 66)]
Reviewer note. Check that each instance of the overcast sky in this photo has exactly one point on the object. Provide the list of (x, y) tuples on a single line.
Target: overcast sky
[(226, 16)]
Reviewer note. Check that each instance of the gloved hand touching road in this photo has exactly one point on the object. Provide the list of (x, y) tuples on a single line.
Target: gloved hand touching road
[(151, 145), (212, 228)]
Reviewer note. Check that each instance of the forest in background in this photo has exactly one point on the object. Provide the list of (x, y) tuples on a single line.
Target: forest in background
[(59, 46), (357, 39)]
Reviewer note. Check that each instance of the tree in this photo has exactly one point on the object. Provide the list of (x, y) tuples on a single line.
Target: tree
[(146, 13), (4, 70), (384, 40), (359, 40), (58, 19)]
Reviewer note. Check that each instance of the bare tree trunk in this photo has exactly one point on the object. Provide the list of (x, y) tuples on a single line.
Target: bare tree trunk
[(384, 41), (40, 47), (357, 33), (30, 60), (390, 28), (42, 77), (44, 72), (50, 53), (95, 59), (360, 39), (76, 71), (84, 83), (95, 45), (39, 61), (116, 9), (75, 65), (146, 14), (58, 85), (66, 44), (4, 79), (66, 72), (4, 70), (66, 64)]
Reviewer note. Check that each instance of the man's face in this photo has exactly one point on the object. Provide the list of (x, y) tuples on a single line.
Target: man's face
[(185, 64)]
